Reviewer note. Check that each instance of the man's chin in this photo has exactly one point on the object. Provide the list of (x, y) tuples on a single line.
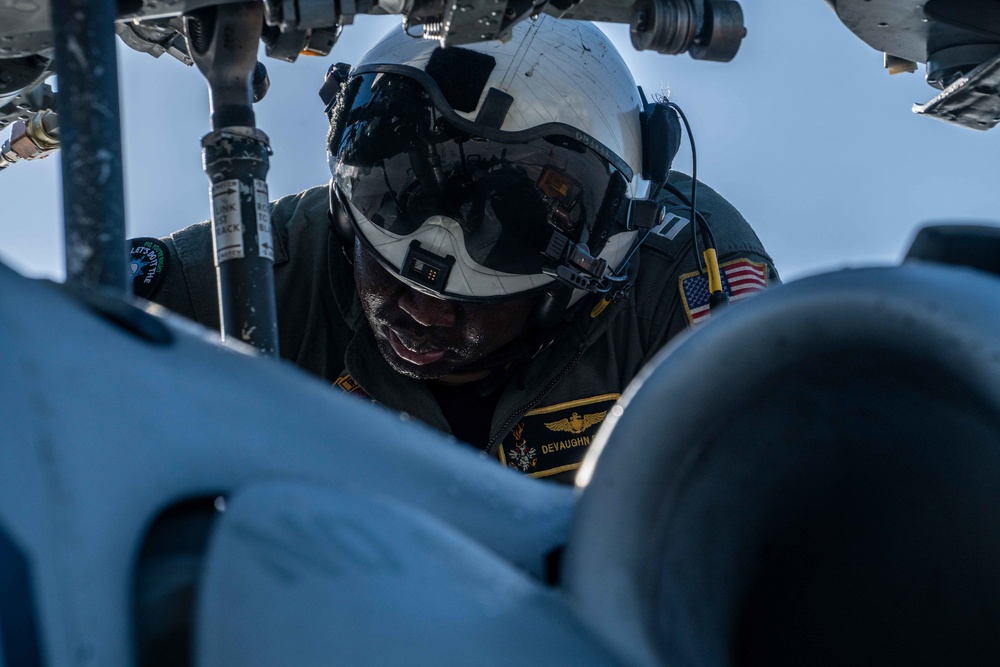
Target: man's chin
[(416, 371), (413, 371), (444, 371)]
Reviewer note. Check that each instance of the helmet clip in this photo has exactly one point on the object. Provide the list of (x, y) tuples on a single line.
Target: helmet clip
[(644, 214), (575, 267)]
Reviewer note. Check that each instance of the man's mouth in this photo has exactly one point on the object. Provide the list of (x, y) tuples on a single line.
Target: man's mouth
[(416, 353)]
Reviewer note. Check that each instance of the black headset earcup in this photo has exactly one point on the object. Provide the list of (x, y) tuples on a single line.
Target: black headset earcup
[(340, 219), (661, 139), (551, 308)]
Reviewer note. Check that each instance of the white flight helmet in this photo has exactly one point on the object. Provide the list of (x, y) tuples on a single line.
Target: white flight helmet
[(494, 169)]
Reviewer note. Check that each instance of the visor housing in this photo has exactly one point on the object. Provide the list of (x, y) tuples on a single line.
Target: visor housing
[(487, 203)]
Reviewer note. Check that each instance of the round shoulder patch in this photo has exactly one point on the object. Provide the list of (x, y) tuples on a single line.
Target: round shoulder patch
[(147, 261)]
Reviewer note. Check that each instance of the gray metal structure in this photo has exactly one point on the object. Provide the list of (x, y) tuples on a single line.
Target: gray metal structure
[(958, 41), (842, 482), (88, 466)]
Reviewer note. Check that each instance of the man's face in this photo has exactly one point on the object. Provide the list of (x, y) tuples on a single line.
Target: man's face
[(430, 338)]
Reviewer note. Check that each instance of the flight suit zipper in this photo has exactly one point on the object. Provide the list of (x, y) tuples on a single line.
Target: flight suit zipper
[(516, 414)]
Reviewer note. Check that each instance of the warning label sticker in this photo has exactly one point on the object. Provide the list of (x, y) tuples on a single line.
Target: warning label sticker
[(226, 220), (262, 212)]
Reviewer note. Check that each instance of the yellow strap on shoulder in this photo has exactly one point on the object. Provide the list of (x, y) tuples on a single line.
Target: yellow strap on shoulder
[(599, 308), (712, 265)]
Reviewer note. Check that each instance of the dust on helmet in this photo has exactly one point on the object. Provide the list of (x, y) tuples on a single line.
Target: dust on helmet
[(495, 169)]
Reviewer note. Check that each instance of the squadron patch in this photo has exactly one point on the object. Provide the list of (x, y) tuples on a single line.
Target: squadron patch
[(740, 278), (554, 439), (147, 262)]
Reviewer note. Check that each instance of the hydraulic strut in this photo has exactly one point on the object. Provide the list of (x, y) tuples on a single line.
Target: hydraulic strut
[(223, 43)]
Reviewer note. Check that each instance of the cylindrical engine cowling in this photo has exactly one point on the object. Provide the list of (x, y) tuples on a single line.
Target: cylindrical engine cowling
[(812, 479)]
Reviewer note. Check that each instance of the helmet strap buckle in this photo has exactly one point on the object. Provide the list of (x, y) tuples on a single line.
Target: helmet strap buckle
[(574, 265), (644, 214)]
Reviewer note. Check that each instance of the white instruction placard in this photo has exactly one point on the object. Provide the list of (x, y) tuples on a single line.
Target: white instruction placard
[(262, 213), (226, 220)]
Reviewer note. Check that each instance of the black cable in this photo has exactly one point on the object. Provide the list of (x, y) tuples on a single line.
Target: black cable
[(718, 296), (694, 187), (697, 222), (699, 225), (656, 190), (708, 236)]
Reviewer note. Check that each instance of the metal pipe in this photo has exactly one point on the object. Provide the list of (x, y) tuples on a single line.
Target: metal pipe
[(90, 130), (223, 41)]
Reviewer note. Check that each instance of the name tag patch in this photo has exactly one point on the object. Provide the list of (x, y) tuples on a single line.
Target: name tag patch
[(554, 439)]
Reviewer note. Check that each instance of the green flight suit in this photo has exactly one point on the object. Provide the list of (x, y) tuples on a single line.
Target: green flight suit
[(548, 414)]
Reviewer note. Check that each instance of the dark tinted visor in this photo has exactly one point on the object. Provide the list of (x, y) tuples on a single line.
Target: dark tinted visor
[(400, 160)]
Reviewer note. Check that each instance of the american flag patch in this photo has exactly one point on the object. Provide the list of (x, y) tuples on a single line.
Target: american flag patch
[(740, 279)]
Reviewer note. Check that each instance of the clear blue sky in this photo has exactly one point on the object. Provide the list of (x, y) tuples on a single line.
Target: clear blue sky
[(804, 132)]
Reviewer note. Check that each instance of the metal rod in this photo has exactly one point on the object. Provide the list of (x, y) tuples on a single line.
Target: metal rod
[(236, 162), (224, 43), (90, 131)]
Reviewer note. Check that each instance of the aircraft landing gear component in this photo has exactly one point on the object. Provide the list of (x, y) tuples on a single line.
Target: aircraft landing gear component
[(223, 44)]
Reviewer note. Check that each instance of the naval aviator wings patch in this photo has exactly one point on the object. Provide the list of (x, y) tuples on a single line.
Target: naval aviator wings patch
[(740, 278), (550, 440)]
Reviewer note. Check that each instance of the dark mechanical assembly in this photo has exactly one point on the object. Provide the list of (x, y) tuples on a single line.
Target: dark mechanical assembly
[(710, 29), (22, 92), (221, 37), (958, 40), (30, 140), (706, 29), (35, 133)]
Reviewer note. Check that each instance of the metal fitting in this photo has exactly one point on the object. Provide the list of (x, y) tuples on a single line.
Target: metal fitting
[(665, 26), (433, 30), (707, 29), (30, 141), (33, 140), (721, 33), (21, 143), (946, 66), (43, 129), (7, 156)]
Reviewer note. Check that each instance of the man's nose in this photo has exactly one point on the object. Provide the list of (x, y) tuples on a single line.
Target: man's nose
[(427, 310)]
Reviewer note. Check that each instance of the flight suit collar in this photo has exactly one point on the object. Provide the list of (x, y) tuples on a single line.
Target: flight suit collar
[(384, 385), (529, 384), (526, 385)]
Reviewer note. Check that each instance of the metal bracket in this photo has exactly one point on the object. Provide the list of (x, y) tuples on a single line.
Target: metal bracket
[(156, 38), (26, 104)]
